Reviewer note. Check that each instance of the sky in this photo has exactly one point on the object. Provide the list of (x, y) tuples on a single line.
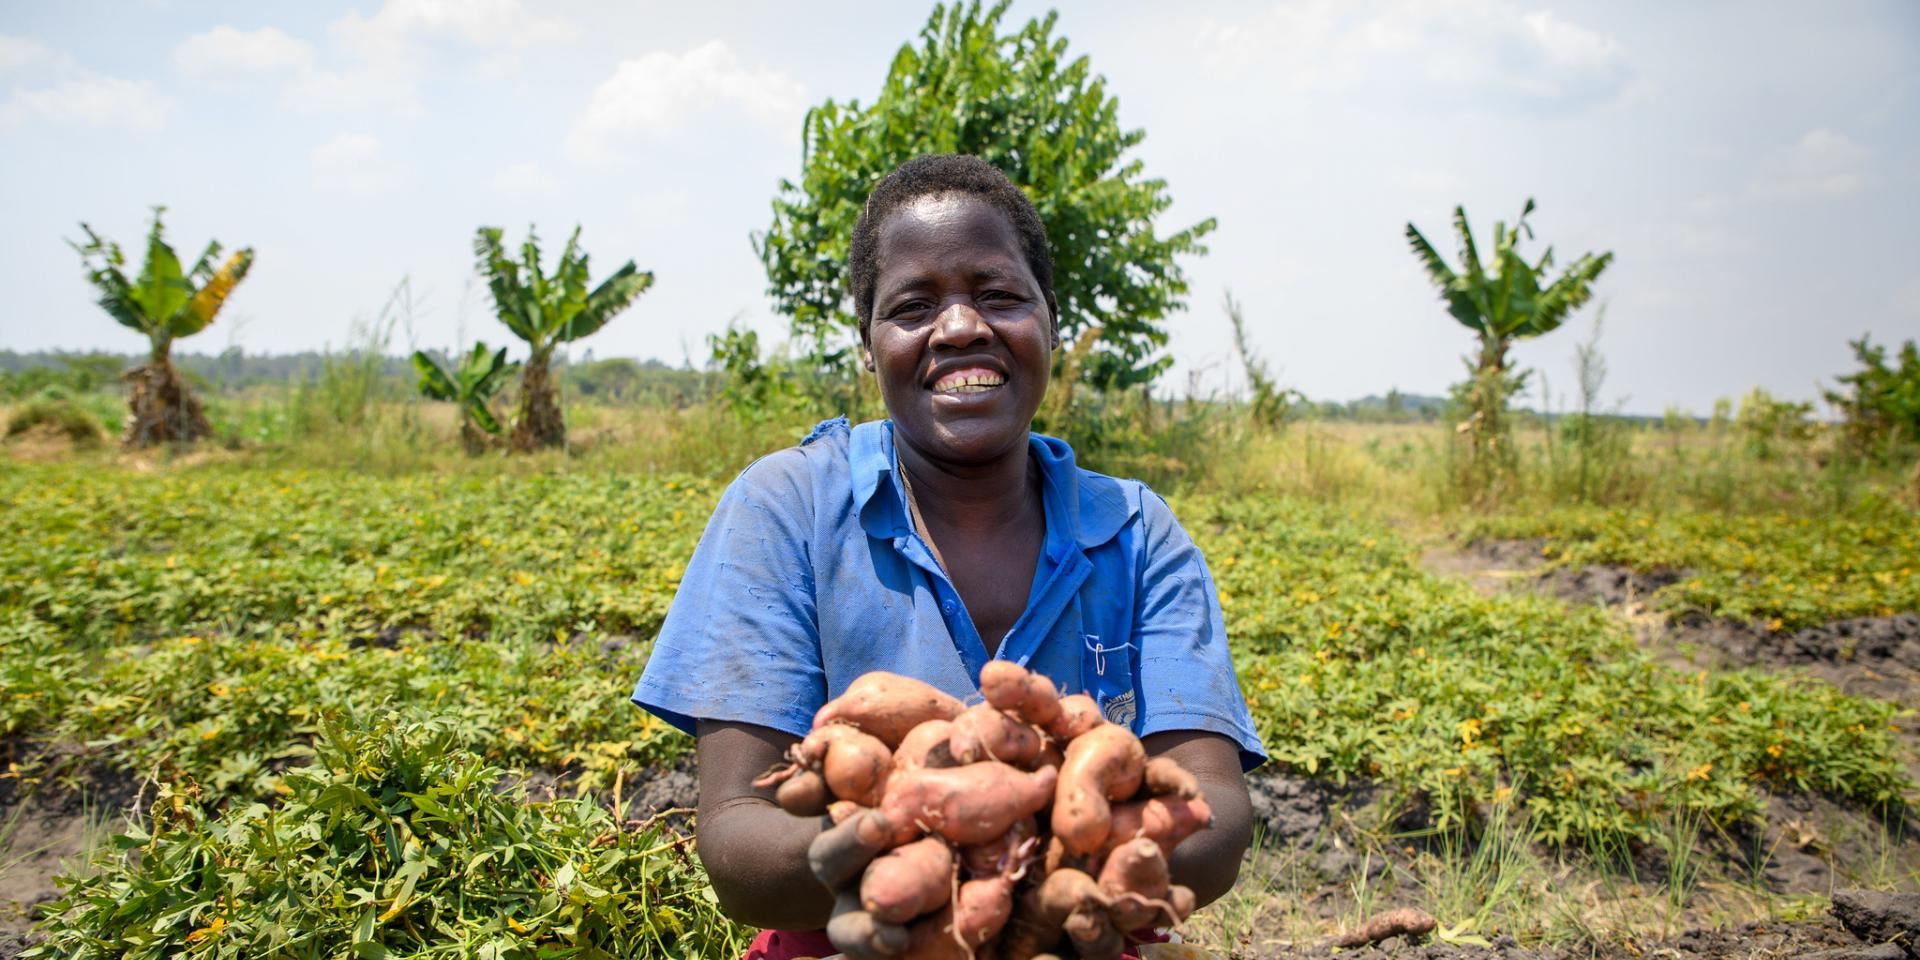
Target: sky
[(1753, 166)]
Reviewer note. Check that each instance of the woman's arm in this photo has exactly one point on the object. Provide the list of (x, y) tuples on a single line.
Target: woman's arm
[(755, 853), (1209, 861)]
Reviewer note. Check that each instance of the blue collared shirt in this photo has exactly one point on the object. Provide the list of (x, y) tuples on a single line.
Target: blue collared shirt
[(810, 574)]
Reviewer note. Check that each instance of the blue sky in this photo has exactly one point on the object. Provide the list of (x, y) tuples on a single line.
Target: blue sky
[(1755, 167)]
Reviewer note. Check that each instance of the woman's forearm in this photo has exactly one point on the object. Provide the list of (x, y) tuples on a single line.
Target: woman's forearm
[(755, 853), (756, 857)]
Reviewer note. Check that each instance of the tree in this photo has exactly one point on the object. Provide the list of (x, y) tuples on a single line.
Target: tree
[(164, 303), (1017, 101), (1501, 301), (1882, 407), (470, 386), (547, 310)]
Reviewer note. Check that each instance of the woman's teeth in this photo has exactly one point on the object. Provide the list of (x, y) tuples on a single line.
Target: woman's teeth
[(968, 381)]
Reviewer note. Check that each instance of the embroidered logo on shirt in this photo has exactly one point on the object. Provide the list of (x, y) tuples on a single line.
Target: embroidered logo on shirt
[(1120, 709)]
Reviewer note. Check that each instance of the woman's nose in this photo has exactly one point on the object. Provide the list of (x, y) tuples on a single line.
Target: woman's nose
[(959, 325)]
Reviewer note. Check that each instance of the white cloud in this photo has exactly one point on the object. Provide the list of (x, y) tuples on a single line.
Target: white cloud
[(90, 99), (656, 94), (376, 60), (17, 52), (266, 50), (525, 181), (1467, 51), (1821, 164), (351, 163)]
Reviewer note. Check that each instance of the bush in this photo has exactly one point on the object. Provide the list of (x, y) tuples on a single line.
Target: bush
[(1882, 412), (395, 843), (52, 407)]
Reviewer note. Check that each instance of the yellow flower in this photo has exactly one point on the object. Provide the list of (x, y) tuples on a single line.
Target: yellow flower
[(522, 578), (210, 930), (1700, 772), (1775, 750)]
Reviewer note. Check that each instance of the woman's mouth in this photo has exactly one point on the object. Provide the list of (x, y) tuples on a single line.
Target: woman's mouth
[(969, 380)]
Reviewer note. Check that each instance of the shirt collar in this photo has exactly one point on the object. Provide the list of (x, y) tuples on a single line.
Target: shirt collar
[(1083, 509)]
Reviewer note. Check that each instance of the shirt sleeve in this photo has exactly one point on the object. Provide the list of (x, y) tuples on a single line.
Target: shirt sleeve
[(1187, 678), (741, 640)]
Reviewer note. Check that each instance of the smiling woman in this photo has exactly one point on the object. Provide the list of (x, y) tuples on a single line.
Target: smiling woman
[(932, 542)]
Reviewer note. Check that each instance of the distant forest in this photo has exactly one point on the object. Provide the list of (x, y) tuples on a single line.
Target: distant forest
[(610, 380)]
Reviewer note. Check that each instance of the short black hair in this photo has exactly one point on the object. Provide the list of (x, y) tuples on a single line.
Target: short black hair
[(937, 174)]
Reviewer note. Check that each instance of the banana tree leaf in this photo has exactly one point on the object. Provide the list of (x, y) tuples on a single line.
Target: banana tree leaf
[(477, 409), (613, 295), (434, 381), (161, 290), (213, 295)]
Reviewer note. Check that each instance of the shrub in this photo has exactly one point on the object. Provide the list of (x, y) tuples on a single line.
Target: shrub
[(52, 407)]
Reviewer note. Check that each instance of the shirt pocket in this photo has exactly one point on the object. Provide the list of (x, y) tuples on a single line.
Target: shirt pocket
[(1108, 673)]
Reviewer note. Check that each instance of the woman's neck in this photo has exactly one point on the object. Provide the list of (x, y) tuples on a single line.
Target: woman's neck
[(971, 497)]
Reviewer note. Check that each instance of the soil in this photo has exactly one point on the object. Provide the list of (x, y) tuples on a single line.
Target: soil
[(45, 830), (1824, 939)]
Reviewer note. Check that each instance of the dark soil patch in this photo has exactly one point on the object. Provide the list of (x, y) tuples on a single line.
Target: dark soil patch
[(47, 828), (1869, 656)]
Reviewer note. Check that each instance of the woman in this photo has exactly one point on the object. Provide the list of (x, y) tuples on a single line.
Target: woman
[(932, 541)]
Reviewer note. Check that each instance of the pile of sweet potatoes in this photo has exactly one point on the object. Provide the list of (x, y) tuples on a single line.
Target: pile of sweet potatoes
[(1011, 828)]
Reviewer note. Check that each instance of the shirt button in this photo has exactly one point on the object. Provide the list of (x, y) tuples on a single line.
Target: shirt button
[(946, 607)]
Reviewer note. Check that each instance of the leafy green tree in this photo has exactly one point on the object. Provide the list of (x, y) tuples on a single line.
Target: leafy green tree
[(1503, 300), (547, 310), (165, 302), (1018, 101), (471, 387), (1882, 405)]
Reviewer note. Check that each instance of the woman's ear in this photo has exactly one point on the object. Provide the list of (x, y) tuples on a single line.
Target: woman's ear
[(866, 358)]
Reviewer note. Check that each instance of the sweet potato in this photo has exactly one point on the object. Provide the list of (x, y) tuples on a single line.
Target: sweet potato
[(925, 746), (1163, 777), (981, 909), (1103, 765), (1078, 714), (1164, 820), (840, 811), (967, 805), (1135, 878), (1094, 935), (854, 763), (888, 706), (975, 916), (1029, 696), (842, 852), (804, 794), (1040, 921), (908, 881), (1004, 853), (985, 732), (857, 934)]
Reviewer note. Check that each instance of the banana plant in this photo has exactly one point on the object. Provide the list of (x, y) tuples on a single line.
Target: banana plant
[(471, 387), (547, 310), (165, 302), (1502, 301)]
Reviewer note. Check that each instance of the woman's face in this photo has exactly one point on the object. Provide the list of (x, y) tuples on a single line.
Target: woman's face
[(961, 339)]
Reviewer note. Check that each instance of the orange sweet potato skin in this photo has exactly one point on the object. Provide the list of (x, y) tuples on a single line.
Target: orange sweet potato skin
[(1002, 854), (907, 881), (1029, 696), (1164, 820), (1078, 714), (966, 805), (924, 746), (888, 706), (1103, 765), (985, 732), (855, 764), (1135, 877)]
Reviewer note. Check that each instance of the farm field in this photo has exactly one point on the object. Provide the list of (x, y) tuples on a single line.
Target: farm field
[(256, 709)]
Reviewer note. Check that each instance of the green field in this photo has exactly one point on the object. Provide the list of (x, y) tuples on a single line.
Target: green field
[(332, 687)]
